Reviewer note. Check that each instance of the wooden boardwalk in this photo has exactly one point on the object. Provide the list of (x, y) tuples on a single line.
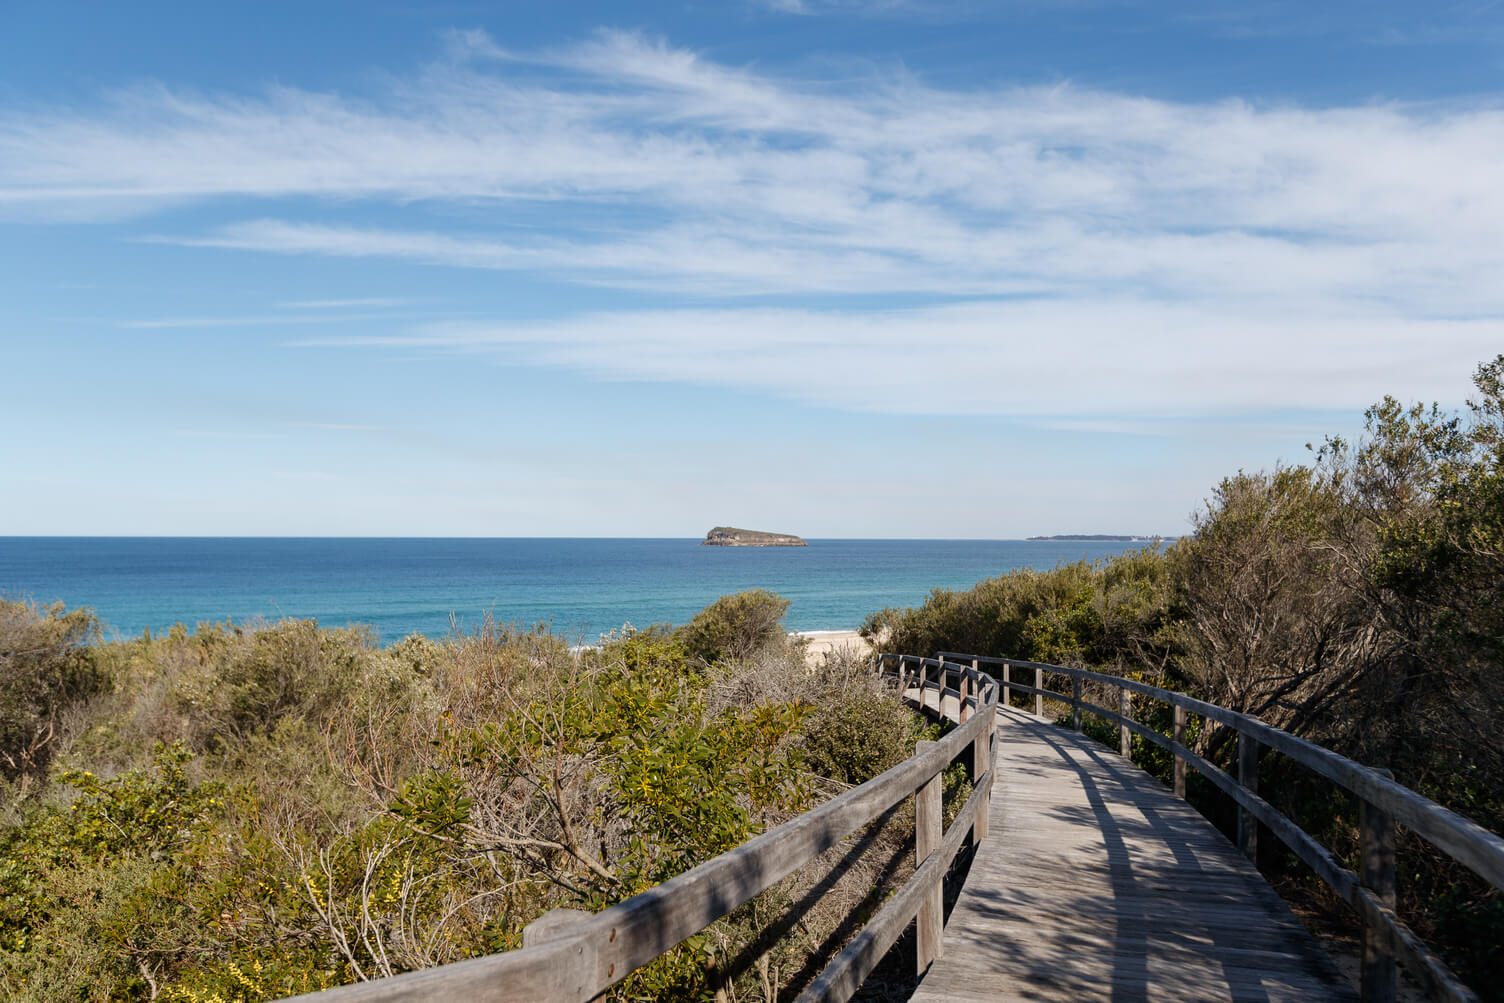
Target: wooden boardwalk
[(1097, 883)]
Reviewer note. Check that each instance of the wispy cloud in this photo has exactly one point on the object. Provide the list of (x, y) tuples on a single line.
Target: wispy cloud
[(373, 301), (228, 435), (1130, 250), (261, 320), (328, 426), (1049, 357)]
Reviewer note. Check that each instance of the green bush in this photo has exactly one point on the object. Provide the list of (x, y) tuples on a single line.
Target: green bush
[(859, 737), (46, 667), (325, 810), (1080, 614), (245, 681), (736, 626)]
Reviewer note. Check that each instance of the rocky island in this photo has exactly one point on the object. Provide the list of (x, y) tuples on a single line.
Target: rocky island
[(726, 536)]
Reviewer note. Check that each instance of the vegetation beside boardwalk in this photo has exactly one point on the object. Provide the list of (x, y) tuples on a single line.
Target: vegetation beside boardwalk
[(1356, 600), (244, 812)]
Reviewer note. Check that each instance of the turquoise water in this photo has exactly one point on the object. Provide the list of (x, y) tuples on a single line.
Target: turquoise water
[(582, 586)]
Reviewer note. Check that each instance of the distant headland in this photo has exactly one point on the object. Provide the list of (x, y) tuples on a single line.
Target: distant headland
[(726, 536), (1100, 538)]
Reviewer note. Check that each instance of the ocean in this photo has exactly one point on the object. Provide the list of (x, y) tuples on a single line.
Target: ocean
[(583, 587)]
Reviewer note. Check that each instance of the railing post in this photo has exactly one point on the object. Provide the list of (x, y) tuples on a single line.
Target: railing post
[(1039, 692), (1125, 742), (1007, 697), (1179, 736), (1376, 832), (930, 922), (966, 688), (1248, 776), (981, 762), (550, 923), (1076, 702)]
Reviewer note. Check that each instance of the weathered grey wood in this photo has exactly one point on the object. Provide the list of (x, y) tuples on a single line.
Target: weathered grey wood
[(846, 972), (930, 922), (551, 924), (1380, 978), (1125, 743), (1038, 692), (1435, 978), (1464, 840), (1007, 697), (1467, 842), (1418, 959), (1098, 884), (981, 766), (1179, 739), (1076, 702), (1248, 777)]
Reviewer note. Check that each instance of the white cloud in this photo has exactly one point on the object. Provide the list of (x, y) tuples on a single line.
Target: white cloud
[(341, 304), (1044, 358), (268, 320), (326, 426), (1137, 254)]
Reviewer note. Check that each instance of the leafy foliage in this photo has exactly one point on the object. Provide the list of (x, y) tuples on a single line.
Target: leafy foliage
[(735, 626), (319, 811), (1357, 600), (46, 669), (1075, 614)]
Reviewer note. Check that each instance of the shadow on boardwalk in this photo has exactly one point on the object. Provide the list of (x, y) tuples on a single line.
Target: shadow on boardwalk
[(1098, 884)]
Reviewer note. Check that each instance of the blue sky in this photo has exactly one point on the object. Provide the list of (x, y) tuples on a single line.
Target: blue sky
[(842, 269)]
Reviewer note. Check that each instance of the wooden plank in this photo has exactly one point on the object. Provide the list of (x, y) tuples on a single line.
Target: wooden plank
[(981, 766), (1376, 833), (846, 972), (1248, 778), (1464, 840), (1178, 738), (1125, 742), (930, 921), (1098, 883)]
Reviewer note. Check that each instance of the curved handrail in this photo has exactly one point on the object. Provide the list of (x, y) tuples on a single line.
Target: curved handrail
[(582, 959), (1387, 938)]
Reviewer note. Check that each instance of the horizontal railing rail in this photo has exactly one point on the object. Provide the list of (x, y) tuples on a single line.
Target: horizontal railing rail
[(576, 956), (1387, 940)]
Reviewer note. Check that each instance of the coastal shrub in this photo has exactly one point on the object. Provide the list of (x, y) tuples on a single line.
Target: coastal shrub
[(1076, 614), (857, 738), (325, 810), (246, 681), (46, 669), (736, 626), (97, 892)]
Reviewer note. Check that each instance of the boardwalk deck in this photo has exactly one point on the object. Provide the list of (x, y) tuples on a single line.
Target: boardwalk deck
[(1096, 883)]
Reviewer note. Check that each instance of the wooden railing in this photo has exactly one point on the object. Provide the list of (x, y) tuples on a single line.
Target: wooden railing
[(569, 956), (1383, 804)]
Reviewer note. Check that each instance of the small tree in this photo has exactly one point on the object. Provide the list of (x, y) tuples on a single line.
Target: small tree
[(736, 626), (46, 667)]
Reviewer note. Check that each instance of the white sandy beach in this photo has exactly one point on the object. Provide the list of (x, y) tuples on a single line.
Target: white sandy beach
[(822, 642)]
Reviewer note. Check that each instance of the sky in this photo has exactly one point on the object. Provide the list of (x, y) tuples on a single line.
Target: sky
[(829, 267)]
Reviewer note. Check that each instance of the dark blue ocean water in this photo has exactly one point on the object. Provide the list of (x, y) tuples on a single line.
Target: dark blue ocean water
[(582, 586)]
